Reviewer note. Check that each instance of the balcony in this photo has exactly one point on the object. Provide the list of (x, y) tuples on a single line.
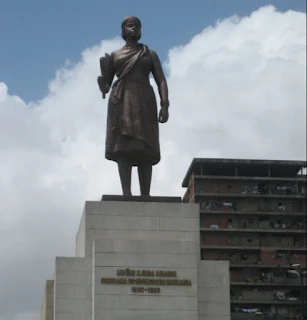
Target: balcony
[(252, 248), (260, 316), (253, 213), (286, 283), (298, 178), (260, 207), (237, 301), (252, 260), (251, 188), (249, 195), (243, 264), (246, 230)]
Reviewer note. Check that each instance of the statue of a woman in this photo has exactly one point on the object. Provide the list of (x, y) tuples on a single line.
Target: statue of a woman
[(132, 124)]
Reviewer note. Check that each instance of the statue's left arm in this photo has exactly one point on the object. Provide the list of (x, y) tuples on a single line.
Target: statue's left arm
[(159, 77)]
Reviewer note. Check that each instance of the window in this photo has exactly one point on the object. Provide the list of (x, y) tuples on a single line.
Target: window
[(244, 256)]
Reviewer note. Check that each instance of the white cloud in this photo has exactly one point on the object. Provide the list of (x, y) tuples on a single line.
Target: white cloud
[(236, 89)]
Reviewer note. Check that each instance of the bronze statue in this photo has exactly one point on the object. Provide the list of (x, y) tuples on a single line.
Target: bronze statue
[(132, 123)]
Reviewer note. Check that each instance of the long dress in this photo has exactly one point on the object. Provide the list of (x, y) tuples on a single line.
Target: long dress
[(132, 121)]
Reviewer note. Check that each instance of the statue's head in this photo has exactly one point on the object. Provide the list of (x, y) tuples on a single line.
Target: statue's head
[(131, 27)]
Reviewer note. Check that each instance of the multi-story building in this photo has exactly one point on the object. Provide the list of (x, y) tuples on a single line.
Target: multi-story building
[(253, 213)]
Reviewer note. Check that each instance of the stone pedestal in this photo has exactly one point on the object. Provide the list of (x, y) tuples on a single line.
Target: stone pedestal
[(48, 298), (135, 261)]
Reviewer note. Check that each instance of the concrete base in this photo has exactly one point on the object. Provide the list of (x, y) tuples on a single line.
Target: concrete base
[(139, 260), (48, 305), (214, 290)]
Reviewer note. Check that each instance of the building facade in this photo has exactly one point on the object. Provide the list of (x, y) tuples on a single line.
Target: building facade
[(253, 214)]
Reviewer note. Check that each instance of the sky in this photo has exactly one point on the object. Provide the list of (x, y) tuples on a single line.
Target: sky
[(237, 83), (39, 37)]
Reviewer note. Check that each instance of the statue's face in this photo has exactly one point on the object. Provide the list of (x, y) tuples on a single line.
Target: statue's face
[(132, 30)]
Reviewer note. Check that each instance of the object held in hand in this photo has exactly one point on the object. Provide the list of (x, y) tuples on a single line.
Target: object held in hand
[(102, 80)]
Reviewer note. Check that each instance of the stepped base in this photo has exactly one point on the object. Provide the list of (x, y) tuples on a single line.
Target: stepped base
[(138, 258)]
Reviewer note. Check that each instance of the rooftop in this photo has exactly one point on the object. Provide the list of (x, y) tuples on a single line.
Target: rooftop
[(243, 167)]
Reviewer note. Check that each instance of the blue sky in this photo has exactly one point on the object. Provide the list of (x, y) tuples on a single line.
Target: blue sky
[(37, 36)]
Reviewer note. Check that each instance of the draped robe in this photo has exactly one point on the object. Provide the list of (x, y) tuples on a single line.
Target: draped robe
[(132, 120)]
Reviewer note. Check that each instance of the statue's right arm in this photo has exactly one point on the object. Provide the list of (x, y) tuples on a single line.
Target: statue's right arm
[(106, 79), (110, 70)]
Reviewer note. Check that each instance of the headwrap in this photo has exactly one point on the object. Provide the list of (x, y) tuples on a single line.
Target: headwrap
[(129, 18)]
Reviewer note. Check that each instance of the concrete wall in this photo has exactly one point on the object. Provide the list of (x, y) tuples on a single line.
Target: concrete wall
[(80, 237), (119, 302), (214, 290), (48, 301), (129, 234), (137, 221), (300, 258), (73, 289)]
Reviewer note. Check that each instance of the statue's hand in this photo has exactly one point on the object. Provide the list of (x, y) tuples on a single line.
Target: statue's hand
[(163, 115), (103, 85)]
